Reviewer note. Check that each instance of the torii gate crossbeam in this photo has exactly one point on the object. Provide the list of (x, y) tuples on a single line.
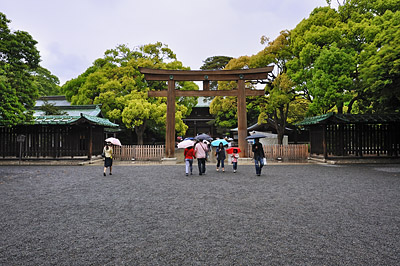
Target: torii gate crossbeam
[(171, 76)]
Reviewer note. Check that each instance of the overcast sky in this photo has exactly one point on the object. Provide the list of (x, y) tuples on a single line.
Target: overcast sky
[(71, 34)]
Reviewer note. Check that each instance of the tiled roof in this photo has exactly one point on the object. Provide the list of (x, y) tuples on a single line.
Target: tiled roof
[(66, 119), (57, 100), (73, 110), (350, 119)]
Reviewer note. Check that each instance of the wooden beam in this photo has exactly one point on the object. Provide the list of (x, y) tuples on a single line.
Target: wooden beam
[(226, 77), (179, 93), (152, 71), (202, 75)]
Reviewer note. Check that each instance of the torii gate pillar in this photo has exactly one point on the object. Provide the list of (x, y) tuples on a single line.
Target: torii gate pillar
[(242, 119), (170, 126)]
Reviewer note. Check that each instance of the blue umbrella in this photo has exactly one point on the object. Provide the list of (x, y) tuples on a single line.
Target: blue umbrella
[(216, 142)]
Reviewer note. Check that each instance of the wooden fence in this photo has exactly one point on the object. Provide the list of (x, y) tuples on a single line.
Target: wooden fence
[(139, 152), (291, 151), (157, 152)]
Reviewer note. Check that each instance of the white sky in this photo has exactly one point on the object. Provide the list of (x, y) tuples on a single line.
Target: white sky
[(72, 34)]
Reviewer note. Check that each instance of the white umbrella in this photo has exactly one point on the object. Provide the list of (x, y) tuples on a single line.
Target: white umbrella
[(186, 143), (114, 141)]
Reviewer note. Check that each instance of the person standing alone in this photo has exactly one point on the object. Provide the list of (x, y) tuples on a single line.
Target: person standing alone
[(107, 151), (258, 152), (235, 157), (220, 153)]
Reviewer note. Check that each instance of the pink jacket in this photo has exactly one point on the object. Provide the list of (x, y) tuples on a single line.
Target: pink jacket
[(200, 150), (235, 157)]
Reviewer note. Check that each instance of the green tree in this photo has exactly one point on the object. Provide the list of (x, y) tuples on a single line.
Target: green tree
[(280, 90), (357, 43), (51, 109), (332, 82), (215, 63), (115, 82), (380, 64), (46, 83), (18, 59), (224, 109)]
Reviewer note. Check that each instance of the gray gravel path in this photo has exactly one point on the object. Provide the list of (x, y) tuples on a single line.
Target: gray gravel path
[(155, 215)]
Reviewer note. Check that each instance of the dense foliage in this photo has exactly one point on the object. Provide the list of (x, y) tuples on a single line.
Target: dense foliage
[(115, 82), (349, 59), (18, 59), (22, 79), (337, 60)]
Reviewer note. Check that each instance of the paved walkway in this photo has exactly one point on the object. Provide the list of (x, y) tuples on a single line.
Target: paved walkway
[(154, 215)]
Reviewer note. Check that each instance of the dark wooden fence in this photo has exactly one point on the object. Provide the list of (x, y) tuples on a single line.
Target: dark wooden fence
[(363, 140), (51, 141)]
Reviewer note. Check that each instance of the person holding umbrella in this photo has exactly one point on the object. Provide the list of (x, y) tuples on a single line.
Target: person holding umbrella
[(107, 151), (235, 157), (220, 154), (258, 152), (234, 152), (189, 155)]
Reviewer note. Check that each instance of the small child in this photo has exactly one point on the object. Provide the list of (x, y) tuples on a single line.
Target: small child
[(189, 155), (235, 157)]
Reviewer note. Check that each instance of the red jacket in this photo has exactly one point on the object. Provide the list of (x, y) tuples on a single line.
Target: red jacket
[(189, 153)]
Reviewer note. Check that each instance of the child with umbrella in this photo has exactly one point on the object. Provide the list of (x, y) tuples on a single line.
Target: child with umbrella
[(234, 152)]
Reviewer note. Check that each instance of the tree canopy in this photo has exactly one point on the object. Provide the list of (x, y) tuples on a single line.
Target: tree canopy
[(343, 60), (18, 59), (348, 59), (22, 79), (115, 82)]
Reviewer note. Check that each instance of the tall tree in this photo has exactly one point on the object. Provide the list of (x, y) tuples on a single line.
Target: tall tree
[(115, 82), (46, 83), (18, 59), (357, 43), (215, 63), (281, 92)]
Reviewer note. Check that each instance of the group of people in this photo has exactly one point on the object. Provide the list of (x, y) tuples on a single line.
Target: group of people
[(200, 150)]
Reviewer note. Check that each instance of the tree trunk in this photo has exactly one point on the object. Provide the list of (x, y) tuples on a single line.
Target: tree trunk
[(278, 127), (139, 130), (340, 108), (280, 136)]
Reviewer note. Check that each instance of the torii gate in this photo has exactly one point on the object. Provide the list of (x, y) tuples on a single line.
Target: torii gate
[(171, 76)]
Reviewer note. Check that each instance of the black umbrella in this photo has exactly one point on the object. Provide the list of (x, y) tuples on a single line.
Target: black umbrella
[(256, 136), (203, 137)]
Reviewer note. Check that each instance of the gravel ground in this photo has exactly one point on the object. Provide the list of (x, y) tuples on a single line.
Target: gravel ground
[(155, 215)]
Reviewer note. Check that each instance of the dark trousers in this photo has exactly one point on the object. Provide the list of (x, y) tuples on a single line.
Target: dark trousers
[(202, 165), (221, 162), (234, 165), (259, 164)]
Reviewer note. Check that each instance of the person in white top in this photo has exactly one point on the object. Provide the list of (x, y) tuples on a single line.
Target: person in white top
[(200, 150), (107, 151)]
